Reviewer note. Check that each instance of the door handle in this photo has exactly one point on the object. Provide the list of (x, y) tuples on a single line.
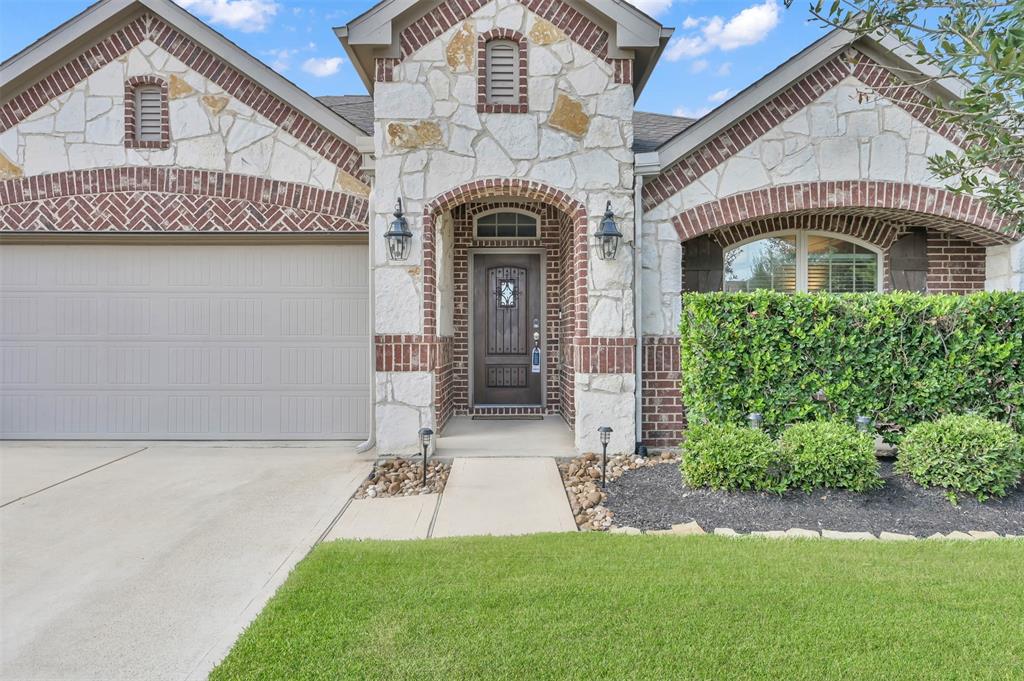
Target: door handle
[(535, 355)]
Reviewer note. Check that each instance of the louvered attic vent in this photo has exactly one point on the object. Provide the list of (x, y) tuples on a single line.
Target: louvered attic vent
[(502, 72), (148, 114)]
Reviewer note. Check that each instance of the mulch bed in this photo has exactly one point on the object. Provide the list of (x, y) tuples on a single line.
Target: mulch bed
[(655, 498)]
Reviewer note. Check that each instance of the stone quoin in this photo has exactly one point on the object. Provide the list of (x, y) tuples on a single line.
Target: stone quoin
[(505, 127)]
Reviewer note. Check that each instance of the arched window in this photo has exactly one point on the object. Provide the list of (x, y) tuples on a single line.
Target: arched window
[(505, 224), (501, 64), (803, 261)]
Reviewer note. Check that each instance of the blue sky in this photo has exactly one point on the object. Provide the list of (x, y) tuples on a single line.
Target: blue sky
[(720, 46)]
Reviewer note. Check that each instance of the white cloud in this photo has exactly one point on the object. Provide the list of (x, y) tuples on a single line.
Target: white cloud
[(322, 68), (281, 61), (719, 96), (651, 7), (698, 66), (686, 112), (683, 47), (748, 27), (725, 69), (248, 16)]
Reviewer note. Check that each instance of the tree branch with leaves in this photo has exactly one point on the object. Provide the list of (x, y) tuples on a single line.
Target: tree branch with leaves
[(978, 44)]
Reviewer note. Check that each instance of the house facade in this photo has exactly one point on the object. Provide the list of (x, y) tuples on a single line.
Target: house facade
[(194, 248)]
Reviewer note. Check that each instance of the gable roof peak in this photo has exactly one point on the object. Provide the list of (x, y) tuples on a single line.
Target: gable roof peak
[(377, 32)]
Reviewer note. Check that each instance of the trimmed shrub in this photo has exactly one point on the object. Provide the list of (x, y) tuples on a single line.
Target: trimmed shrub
[(963, 453), (729, 457), (829, 454), (900, 358)]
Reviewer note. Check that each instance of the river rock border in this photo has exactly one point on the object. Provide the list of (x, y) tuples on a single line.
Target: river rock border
[(402, 478), (582, 479)]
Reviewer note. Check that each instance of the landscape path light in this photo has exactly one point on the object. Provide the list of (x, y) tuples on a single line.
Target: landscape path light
[(606, 436), (755, 420), (425, 435)]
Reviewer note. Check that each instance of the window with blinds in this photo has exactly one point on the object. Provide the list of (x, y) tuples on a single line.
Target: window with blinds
[(502, 72), (148, 113), (839, 266), (802, 261)]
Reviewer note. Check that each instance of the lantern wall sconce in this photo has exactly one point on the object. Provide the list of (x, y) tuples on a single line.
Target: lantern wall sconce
[(398, 237), (607, 235)]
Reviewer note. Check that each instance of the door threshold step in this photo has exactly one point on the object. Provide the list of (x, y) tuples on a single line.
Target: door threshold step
[(508, 417)]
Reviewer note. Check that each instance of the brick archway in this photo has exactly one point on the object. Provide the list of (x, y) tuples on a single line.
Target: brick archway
[(900, 203), (173, 200), (574, 210), (562, 236)]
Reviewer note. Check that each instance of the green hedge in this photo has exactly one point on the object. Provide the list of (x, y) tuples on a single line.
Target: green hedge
[(900, 358)]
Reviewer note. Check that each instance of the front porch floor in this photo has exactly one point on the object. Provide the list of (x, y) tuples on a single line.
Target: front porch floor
[(464, 438)]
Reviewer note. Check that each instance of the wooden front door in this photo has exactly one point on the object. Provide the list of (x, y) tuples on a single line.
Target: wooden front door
[(506, 315)]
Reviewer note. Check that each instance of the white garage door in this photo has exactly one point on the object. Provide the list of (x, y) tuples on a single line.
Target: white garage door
[(184, 341)]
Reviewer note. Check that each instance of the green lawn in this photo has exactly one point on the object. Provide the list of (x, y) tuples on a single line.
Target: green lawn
[(598, 606)]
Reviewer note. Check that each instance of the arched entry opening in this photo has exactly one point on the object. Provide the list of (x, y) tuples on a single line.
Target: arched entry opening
[(505, 277)]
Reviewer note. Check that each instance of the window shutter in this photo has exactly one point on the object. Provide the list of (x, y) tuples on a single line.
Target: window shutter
[(702, 265), (502, 72), (148, 113), (908, 261)]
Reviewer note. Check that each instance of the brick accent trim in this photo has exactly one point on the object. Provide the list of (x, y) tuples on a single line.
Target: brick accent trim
[(482, 105), (397, 352), (130, 139), (173, 200), (663, 417), (797, 96), (210, 66), (434, 23), (897, 202), (623, 70), (594, 355), (507, 188)]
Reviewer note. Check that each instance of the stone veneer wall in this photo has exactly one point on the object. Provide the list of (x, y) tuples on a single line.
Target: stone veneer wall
[(218, 119), (574, 139)]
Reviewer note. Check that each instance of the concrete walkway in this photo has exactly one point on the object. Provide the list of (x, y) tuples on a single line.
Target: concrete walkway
[(495, 496), (463, 437)]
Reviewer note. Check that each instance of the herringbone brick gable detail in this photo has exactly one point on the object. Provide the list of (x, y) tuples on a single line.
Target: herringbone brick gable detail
[(173, 200), (244, 89)]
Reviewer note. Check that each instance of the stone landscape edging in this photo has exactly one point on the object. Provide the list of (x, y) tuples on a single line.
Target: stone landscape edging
[(693, 529)]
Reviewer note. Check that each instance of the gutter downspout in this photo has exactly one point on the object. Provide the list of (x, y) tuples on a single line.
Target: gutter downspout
[(638, 312), (643, 164), (369, 167)]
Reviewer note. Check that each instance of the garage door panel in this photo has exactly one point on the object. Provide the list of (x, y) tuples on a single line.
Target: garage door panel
[(185, 342)]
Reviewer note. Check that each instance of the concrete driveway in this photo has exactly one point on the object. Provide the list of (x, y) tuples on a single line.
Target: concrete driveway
[(145, 561)]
